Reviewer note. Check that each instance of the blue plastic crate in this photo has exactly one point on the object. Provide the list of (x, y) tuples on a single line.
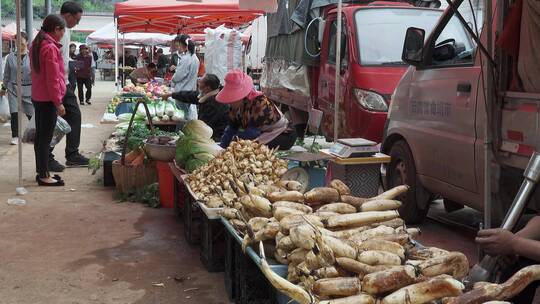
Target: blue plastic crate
[(124, 107)]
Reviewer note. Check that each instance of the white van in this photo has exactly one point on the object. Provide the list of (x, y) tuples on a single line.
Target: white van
[(437, 118)]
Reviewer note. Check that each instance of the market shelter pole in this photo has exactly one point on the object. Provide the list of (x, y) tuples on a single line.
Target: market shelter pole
[(337, 97), (20, 189), (116, 56)]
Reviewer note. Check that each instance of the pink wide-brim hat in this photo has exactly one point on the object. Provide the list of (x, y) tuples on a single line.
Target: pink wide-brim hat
[(237, 86)]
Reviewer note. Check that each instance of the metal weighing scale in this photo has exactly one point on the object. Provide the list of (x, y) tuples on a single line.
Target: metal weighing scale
[(354, 147)]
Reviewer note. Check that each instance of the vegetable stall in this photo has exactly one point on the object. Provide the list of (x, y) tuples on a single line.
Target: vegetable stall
[(277, 238), (286, 242)]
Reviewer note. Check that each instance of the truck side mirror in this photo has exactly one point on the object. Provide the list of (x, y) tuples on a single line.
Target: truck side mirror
[(413, 46)]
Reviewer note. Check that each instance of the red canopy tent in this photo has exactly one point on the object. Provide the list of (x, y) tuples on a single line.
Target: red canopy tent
[(172, 16)]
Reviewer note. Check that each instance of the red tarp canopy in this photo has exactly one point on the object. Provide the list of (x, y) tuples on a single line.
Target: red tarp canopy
[(173, 17)]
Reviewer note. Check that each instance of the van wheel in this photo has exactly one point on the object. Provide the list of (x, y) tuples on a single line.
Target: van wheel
[(402, 171)]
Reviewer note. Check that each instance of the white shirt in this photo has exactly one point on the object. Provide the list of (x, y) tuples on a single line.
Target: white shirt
[(66, 40)]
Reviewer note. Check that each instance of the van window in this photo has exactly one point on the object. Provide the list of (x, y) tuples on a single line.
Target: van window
[(381, 32), (332, 47), (455, 46)]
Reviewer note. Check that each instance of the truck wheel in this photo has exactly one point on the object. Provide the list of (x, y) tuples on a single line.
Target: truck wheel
[(402, 171)]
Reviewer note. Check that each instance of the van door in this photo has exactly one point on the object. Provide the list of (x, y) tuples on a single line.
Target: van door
[(443, 105), (327, 77)]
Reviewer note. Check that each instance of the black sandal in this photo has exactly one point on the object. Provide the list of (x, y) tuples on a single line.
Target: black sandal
[(58, 183)]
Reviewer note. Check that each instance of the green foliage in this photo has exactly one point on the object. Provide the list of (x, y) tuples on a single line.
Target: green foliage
[(8, 7), (148, 195), (139, 133), (79, 36)]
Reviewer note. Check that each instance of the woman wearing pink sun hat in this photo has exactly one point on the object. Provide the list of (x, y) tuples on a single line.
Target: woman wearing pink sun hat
[(252, 115)]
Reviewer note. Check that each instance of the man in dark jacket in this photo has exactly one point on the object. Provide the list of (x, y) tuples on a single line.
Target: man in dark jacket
[(213, 113), (84, 74), (162, 63)]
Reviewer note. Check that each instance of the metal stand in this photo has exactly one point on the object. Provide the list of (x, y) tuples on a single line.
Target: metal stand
[(484, 270)]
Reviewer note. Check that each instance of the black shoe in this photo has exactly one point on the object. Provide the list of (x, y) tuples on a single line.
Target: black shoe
[(82, 103), (77, 161), (55, 166), (88, 102), (58, 183)]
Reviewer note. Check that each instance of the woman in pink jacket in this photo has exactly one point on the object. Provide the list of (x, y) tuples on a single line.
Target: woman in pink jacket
[(48, 89)]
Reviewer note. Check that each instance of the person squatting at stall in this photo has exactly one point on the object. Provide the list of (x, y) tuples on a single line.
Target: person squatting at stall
[(10, 86), (48, 90), (252, 115), (214, 114), (144, 74), (517, 250)]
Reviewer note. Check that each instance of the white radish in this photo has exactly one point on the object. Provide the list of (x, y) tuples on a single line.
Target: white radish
[(361, 219), (377, 257), (341, 208), (425, 292), (380, 205)]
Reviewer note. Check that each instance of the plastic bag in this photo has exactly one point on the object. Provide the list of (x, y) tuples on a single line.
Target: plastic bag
[(4, 110), (30, 131), (62, 128)]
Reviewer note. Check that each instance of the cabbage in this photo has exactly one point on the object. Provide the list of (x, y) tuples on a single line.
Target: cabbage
[(169, 109), (182, 151), (198, 129), (160, 109), (178, 115), (206, 157), (140, 109), (125, 116), (189, 147), (193, 164), (165, 118), (152, 109)]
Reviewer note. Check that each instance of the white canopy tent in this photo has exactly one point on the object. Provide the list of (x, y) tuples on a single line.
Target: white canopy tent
[(107, 35)]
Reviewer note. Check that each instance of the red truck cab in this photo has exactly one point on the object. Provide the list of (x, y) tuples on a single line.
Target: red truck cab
[(371, 67)]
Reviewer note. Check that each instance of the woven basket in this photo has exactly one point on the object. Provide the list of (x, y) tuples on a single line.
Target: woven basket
[(129, 178)]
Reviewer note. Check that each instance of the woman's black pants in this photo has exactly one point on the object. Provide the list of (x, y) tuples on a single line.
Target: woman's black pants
[(45, 113)]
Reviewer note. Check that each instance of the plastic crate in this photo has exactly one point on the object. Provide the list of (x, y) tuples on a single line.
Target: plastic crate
[(108, 178), (212, 244), (192, 220), (179, 190), (124, 107), (364, 179), (179, 197), (253, 286), (230, 282)]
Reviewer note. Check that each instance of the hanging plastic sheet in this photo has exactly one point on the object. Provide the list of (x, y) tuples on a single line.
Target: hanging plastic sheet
[(223, 51), (281, 74), (529, 44)]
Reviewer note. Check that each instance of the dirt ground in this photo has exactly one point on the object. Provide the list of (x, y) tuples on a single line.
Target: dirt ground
[(76, 244)]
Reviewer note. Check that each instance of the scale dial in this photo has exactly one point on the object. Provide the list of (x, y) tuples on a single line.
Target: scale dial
[(297, 174)]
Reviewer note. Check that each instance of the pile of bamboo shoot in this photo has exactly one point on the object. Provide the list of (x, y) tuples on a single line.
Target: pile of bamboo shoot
[(243, 166), (344, 249)]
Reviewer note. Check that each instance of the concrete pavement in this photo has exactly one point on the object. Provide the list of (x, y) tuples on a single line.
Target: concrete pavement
[(76, 244)]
